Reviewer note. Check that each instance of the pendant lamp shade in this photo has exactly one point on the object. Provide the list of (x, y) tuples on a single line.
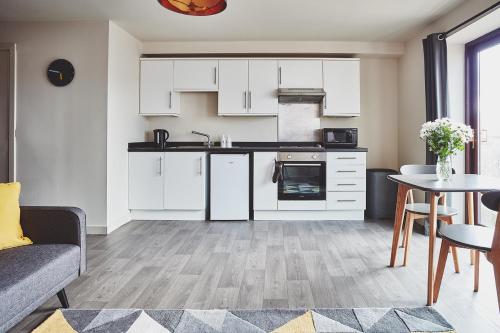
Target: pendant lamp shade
[(195, 7)]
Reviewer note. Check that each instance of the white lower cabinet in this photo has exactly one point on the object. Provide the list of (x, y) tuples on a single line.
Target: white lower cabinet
[(146, 172), (265, 192), (184, 181), (346, 181), (172, 181)]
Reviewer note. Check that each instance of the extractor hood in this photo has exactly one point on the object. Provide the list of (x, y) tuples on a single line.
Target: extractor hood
[(300, 95)]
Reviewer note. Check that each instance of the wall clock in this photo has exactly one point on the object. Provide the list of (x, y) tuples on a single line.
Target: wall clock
[(60, 72)]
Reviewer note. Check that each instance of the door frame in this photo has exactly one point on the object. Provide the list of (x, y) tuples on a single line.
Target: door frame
[(472, 116), (11, 47)]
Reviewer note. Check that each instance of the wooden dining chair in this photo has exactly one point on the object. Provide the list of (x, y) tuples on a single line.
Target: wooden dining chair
[(474, 237), (415, 211)]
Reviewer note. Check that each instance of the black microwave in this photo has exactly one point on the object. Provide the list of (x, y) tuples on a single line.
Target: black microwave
[(340, 137)]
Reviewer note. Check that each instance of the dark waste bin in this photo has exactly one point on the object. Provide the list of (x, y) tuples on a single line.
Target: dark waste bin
[(381, 194)]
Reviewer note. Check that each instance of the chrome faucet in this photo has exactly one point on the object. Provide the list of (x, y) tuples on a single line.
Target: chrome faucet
[(209, 142)]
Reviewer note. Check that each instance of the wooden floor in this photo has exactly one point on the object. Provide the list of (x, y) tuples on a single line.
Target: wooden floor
[(253, 265)]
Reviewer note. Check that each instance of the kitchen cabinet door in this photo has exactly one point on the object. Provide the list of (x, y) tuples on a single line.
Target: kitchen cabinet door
[(185, 179), (265, 192), (300, 74), (157, 96), (263, 87), (196, 75), (145, 172), (342, 86), (233, 87)]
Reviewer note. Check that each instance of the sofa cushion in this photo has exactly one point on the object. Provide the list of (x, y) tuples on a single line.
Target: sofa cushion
[(11, 233), (31, 274)]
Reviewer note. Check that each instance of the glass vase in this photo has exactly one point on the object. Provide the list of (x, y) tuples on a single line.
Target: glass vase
[(443, 168)]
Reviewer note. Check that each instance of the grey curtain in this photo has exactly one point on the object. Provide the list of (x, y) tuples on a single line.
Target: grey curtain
[(436, 81)]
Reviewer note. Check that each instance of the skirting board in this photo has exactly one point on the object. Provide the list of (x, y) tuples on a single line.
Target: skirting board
[(96, 230), (295, 215), (182, 215)]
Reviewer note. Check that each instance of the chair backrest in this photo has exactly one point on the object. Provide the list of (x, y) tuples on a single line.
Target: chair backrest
[(418, 169), (492, 201)]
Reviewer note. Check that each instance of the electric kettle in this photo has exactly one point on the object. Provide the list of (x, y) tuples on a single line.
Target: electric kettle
[(160, 137)]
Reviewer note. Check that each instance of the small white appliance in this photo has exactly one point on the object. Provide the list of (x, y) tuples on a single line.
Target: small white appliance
[(229, 187)]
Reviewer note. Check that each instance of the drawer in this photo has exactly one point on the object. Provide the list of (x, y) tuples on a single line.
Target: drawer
[(346, 171), (346, 184), (347, 158), (345, 200)]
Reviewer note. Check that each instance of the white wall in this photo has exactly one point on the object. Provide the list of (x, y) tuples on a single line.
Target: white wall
[(124, 125), (61, 132)]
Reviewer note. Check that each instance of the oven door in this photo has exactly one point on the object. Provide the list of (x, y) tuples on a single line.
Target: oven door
[(303, 181)]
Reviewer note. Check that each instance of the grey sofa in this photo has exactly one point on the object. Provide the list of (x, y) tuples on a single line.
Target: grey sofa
[(30, 275)]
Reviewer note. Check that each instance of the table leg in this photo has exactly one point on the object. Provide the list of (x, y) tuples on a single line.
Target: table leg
[(432, 241), (398, 220), (469, 201)]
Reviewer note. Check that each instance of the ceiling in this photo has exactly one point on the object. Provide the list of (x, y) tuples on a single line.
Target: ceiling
[(284, 20)]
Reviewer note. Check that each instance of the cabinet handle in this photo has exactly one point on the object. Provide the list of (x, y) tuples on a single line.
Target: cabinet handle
[(344, 171), (346, 158), (325, 100), (244, 99), (279, 75), (170, 100), (345, 200), (160, 167), (249, 99), (346, 184), (201, 166), (215, 75)]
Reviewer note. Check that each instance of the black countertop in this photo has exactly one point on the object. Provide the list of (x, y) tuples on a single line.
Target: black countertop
[(238, 147)]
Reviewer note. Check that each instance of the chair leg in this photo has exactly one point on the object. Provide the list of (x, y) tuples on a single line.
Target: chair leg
[(63, 298), (409, 232), (496, 270), (476, 270), (443, 256), (405, 227), (449, 220)]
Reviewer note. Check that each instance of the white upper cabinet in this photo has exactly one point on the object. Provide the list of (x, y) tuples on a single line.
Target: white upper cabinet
[(248, 87), (145, 172), (233, 87), (265, 192), (300, 74), (157, 96), (342, 85), (184, 181), (196, 75), (263, 87)]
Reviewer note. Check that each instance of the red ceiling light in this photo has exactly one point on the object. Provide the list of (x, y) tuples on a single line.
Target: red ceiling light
[(195, 7)]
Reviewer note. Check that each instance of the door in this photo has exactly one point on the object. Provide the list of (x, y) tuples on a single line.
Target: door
[(482, 112), (185, 177), (4, 115), (146, 180), (157, 96), (233, 87), (229, 187), (342, 86), (196, 75), (265, 192), (300, 74), (263, 87)]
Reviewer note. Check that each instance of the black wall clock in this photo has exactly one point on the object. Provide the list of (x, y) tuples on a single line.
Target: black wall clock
[(60, 72)]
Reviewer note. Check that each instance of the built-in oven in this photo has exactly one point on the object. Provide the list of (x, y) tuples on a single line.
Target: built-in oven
[(301, 176)]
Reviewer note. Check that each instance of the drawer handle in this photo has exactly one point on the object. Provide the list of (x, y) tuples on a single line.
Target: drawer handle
[(344, 171), (346, 158), (346, 184), (345, 200)]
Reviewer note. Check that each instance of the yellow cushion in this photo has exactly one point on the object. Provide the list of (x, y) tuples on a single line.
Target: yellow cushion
[(11, 234)]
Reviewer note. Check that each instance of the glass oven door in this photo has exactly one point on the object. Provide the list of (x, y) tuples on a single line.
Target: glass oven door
[(303, 181)]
